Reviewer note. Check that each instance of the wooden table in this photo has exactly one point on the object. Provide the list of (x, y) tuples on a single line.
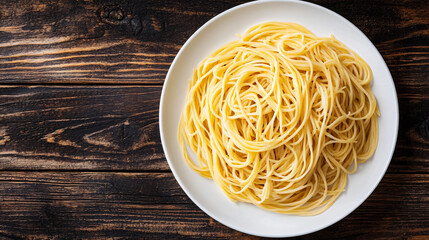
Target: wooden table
[(80, 152)]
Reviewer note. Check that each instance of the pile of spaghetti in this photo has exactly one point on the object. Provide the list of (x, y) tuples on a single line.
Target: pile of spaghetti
[(279, 118)]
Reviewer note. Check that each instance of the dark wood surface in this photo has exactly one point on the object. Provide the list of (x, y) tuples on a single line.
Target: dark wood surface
[(80, 152)]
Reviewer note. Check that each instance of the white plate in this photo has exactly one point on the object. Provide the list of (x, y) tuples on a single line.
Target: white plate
[(220, 30)]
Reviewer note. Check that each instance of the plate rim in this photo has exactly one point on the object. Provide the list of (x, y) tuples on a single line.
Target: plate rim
[(162, 104)]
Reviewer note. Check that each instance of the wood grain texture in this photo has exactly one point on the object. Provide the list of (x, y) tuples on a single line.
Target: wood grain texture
[(116, 128), (96, 41), (59, 205), (135, 41), (69, 127), (80, 152)]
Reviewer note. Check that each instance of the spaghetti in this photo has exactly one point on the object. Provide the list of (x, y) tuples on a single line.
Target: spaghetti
[(279, 118)]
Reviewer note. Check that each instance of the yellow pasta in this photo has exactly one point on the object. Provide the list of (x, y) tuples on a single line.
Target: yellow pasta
[(279, 118)]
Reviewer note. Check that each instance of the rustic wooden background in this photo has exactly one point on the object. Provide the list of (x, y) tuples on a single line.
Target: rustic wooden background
[(80, 152)]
